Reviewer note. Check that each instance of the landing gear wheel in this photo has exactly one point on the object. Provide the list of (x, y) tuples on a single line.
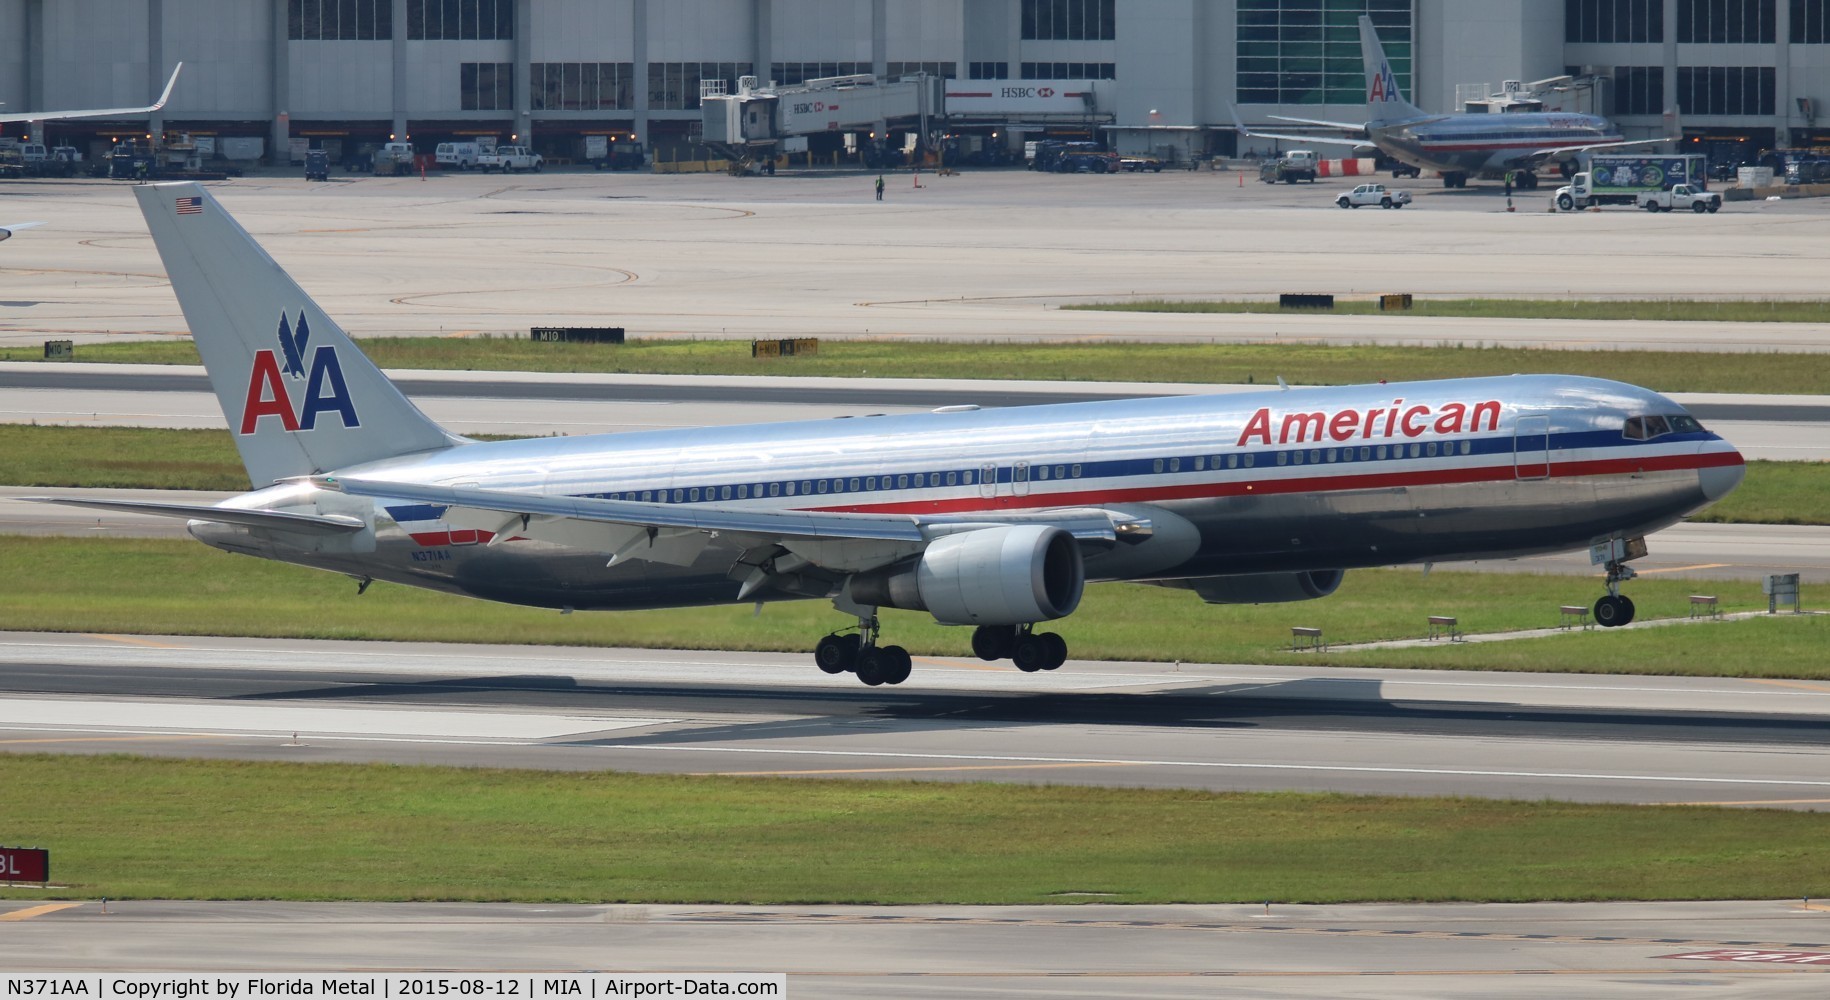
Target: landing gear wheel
[(836, 654), (894, 664), (1057, 650), (1031, 653), (1613, 611), (993, 642), (874, 666)]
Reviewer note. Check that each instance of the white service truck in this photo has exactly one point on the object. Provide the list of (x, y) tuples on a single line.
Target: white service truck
[(1681, 197), (1374, 194), (1621, 180), (1295, 165), (457, 155), (393, 158), (509, 159)]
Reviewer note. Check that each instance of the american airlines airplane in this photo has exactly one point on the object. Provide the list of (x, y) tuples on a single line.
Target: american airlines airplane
[(1460, 144), (995, 519)]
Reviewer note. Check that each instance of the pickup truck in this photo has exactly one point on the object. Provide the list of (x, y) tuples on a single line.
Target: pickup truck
[(394, 158), (1374, 194), (509, 159), (1681, 196)]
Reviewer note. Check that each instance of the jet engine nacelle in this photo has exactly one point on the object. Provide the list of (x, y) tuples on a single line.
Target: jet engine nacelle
[(1004, 575), (1267, 588)]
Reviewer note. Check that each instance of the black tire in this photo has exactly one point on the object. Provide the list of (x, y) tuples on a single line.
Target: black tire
[(1030, 653), (1652, 206), (1398, 204), (872, 666), (1385, 203), (993, 642), (1712, 208), (836, 654), (896, 664), (1057, 650), (1613, 612), (1698, 207), (1343, 202), (1566, 203)]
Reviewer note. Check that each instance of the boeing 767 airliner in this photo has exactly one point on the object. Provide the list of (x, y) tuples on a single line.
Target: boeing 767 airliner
[(993, 518)]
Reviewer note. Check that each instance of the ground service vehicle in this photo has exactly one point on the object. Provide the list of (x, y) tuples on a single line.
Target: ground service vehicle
[(1681, 197), (510, 159), (994, 518), (1295, 165), (1373, 194), (457, 155), (1620, 180), (317, 165)]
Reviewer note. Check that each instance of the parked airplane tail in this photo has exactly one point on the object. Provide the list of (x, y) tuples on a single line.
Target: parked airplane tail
[(299, 397), (1384, 101)]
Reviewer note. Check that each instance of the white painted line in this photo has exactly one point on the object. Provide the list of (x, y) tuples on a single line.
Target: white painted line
[(153, 716), (1220, 764), (228, 734)]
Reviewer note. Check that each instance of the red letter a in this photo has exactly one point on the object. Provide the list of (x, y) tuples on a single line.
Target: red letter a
[(273, 402)]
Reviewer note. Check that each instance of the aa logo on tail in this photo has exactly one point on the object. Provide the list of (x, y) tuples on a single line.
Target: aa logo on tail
[(1384, 85), (325, 390)]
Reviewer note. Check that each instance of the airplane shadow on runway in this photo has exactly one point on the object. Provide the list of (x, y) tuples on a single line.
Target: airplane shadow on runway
[(1319, 705)]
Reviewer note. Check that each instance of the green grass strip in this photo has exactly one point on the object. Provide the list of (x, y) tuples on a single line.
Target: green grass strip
[(139, 828), (150, 458), (1263, 363), (178, 587), (1652, 310)]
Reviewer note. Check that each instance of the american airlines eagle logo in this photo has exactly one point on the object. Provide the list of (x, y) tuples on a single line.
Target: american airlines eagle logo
[(325, 388)]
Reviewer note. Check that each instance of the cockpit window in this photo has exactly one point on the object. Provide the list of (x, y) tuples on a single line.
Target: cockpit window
[(1647, 428)]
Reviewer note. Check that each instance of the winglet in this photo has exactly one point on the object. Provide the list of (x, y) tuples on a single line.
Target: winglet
[(166, 94)]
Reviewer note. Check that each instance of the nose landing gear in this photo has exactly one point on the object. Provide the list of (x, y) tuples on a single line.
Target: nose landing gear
[(1615, 610)]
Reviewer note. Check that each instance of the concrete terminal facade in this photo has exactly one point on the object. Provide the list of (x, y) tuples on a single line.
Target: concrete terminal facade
[(1166, 72)]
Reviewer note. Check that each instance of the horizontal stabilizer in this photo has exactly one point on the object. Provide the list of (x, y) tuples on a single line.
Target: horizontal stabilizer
[(274, 519)]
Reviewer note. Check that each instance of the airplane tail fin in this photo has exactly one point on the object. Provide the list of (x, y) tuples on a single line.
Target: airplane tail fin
[(1384, 101), (300, 398)]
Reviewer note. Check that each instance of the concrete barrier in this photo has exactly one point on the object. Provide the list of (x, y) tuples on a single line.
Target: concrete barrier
[(1362, 167)]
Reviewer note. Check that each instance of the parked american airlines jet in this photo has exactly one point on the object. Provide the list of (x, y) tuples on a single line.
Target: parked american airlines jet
[(1461, 144), (46, 116), (990, 518)]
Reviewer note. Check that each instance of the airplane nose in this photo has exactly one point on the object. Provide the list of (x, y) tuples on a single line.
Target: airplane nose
[(1719, 481)]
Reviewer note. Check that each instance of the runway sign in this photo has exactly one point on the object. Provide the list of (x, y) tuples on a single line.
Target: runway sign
[(1744, 955), (25, 864)]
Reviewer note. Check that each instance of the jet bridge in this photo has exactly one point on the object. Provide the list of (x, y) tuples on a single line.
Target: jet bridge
[(749, 124)]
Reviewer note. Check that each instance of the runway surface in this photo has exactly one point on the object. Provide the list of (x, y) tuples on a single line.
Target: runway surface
[(982, 256), (1403, 732), (1628, 950)]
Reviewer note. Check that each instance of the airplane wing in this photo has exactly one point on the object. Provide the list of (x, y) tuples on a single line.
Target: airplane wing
[(1537, 156), (1324, 140), (7, 230), (278, 520), (675, 533), (42, 116), (1343, 126)]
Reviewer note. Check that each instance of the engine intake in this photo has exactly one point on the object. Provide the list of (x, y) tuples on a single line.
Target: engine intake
[(1267, 588), (1006, 575)]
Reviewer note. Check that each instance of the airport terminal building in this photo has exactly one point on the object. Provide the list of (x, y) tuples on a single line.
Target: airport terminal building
[(1147, 75)]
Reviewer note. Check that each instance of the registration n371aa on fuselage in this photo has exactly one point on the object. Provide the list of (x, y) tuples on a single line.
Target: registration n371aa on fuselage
[(991, 518)]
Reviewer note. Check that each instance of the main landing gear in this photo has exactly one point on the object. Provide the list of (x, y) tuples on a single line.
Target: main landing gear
[(1615, 609), (860, 654), (1029, 650)]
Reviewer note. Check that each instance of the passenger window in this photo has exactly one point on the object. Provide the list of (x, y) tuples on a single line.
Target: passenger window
[(724, 493), (693, 495), (647, 496), (806, 487), (823, 485), (870, 484), (952, 479), (1467, 447), (1283, 458), (920, 479), (1019, 473), (1156, 466), (1430, 449), (902, 482), (1416, 451), (678, 496), (1076, 472), (854, 485), (775, 489), (1315, 456), (743, 492), (1232, 461), (964, 477), (1299, 458), (1059, 472), (1332, 453), (1175, 465), (1200, 462), (1381, 453), (1250, 460), (790, 488), (1041, 472)]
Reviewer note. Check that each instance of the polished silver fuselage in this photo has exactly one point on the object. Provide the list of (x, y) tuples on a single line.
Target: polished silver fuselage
[(1488, 144), (1262, 482)]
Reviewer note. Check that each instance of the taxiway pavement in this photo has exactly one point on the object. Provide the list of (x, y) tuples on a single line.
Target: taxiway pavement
[(1761, 949)]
